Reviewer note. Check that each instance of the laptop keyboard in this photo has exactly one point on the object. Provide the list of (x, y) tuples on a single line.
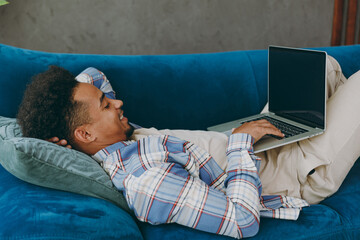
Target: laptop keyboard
[(285, 128)]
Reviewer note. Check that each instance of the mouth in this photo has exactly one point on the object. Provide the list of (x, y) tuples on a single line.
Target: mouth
[(121, 117), (121, 114)]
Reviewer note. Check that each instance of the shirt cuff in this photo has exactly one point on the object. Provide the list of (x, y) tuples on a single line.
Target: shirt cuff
[(240, 141)]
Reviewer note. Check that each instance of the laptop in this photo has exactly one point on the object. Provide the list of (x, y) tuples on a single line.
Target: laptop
[(296, 97)]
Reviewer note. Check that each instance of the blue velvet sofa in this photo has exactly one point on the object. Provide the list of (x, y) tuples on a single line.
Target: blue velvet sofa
[(192, 91)]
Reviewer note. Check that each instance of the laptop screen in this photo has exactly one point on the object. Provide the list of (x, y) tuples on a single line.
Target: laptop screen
[(297, 84)]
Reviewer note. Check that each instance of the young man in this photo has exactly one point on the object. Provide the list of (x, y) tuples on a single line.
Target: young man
[(166, 179)]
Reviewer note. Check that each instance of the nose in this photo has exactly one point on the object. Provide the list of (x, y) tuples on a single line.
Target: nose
[(118, 103)]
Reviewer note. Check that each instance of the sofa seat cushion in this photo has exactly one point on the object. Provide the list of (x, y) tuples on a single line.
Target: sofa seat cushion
[(32, 212)]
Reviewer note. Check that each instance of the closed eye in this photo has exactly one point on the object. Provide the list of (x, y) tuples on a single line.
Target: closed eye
[(107, 106)]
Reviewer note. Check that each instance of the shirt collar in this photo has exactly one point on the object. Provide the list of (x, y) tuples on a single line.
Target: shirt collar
[(101, 155)]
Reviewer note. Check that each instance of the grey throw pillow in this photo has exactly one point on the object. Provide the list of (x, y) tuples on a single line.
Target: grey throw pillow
[(46, 164)]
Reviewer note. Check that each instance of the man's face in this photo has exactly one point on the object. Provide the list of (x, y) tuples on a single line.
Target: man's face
[(108, 124)]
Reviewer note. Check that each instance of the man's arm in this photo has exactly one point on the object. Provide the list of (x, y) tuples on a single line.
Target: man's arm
[(98, 79), (167, 193), (59, 142)]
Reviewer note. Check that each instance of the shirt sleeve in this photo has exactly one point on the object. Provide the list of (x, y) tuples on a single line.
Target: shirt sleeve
[(98, 79), (169, 194)]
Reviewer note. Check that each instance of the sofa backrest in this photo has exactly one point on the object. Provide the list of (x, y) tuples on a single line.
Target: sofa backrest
[(190, 91)]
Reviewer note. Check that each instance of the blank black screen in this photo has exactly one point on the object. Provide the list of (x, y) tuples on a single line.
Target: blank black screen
[(297, 84)]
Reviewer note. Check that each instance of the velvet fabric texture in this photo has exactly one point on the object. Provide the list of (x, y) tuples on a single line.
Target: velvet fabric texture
[(192, 91), (31, 212)]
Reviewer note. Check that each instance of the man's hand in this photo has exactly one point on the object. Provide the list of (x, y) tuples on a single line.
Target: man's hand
[(258, 129), (59, 142)]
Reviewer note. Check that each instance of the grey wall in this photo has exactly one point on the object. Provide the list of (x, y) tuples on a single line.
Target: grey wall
[(164, 26)]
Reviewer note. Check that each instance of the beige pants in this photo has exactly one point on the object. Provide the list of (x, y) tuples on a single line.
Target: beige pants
[(285, 170)]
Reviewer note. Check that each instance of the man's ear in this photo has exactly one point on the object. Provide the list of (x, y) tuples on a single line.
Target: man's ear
[(82, 134)]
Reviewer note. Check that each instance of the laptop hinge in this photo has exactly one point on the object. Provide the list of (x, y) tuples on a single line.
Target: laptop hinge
[(299, 120)]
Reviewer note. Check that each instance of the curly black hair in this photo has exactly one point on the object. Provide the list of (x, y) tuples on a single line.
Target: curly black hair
[(48, 108)]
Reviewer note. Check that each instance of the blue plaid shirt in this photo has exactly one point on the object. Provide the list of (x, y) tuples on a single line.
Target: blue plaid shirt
[(168, 180)]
